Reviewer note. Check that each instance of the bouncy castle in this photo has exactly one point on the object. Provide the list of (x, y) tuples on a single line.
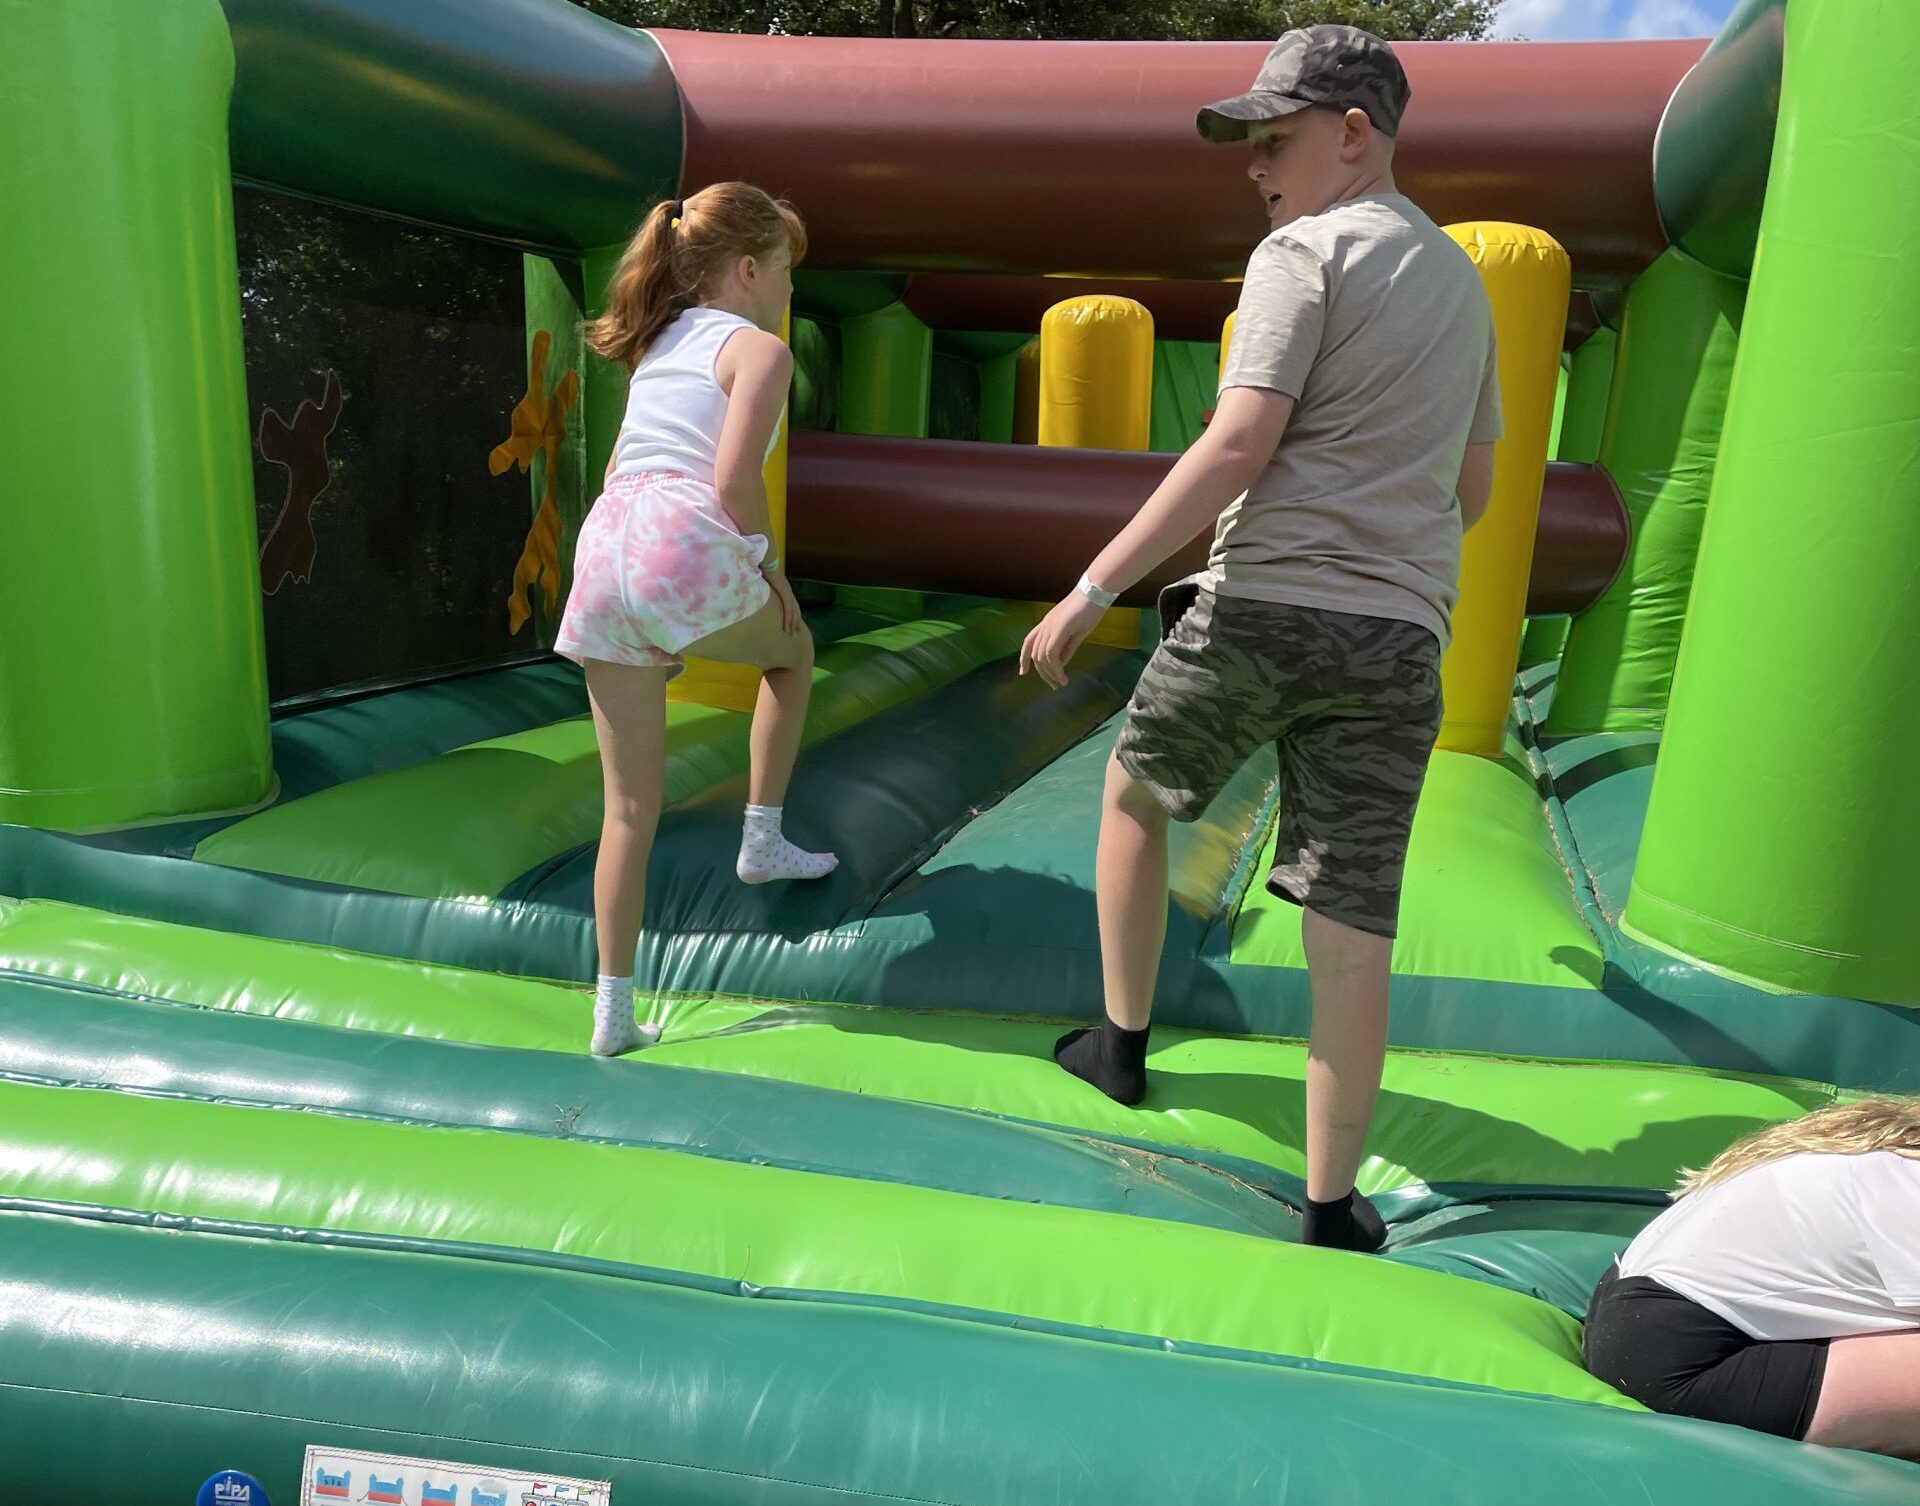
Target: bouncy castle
[(305, 1171)]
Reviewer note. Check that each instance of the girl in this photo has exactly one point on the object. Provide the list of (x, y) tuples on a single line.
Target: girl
[(675, 556), (1781, 1291)]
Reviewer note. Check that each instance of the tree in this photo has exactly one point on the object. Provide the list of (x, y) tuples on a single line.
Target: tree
[(1117, 20)]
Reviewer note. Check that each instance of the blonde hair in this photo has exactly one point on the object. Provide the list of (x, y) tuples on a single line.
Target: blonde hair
[(681, 247), (1843, 1129)]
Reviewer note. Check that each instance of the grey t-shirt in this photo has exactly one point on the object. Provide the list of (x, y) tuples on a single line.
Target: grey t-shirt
[(1377, 324)]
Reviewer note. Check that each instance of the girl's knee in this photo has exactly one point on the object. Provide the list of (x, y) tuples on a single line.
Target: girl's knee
[(635, 818), (798, 650)]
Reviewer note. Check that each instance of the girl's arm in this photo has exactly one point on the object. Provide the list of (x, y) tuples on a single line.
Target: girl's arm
[(754, 368)]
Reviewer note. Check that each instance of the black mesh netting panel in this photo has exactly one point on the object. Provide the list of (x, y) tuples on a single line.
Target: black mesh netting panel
[(382, 364), (953, 405)]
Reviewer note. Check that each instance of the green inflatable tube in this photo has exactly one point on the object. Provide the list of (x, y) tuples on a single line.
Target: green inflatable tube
[(1662, 436), (530, 121), (675, 1393), (1780, 836), (1179, 1285), (1711, 155), (59, 1034), (133, 678)]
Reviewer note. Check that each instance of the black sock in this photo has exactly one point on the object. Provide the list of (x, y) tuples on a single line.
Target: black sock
[(1346, 1223), (1112, 1059)]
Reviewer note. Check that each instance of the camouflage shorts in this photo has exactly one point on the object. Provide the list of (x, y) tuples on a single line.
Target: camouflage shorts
[(1352, 704)]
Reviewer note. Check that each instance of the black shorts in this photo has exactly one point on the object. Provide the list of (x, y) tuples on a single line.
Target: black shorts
[(1669, 1353)]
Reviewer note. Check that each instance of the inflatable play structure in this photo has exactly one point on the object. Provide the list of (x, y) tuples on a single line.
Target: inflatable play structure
[(304, 1171)]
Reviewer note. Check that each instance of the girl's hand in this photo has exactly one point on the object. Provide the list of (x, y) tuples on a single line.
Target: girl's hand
[(790, 619)]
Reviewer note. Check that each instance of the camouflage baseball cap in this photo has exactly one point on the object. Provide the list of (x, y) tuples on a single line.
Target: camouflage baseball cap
[(1341, 66)]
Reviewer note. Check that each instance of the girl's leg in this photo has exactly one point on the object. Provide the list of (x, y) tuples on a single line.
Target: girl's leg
[(779, 718), (629, 717), (1870, 1396)]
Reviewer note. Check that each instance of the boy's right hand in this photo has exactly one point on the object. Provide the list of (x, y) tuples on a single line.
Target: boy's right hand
[(790, 618), (1050, 647)]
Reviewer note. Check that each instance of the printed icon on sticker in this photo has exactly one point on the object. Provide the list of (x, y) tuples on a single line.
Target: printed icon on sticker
[(231, 1487)]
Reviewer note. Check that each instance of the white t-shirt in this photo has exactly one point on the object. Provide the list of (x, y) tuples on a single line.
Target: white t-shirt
[(1809, 1247)]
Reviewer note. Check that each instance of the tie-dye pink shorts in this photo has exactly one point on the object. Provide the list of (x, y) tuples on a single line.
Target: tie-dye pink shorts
[(659, 565)]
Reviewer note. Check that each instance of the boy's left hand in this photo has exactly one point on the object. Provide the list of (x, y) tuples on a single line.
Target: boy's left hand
[(1051, 646)]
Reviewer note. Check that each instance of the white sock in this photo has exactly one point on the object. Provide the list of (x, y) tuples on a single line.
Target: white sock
[(614, 1028), (765, 855)]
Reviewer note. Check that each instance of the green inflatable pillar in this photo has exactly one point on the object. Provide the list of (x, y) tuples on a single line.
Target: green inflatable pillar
[(1589, 382), (1782, 843), (1662, 437), (132, 667), (1585, 382), (886, 373), (1559, 411), (998, 387), (886, 386)]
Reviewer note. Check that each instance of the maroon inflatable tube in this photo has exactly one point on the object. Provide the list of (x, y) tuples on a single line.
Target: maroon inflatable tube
[(1022, 522), (1181, 310), (1036, 157), (972, 301)]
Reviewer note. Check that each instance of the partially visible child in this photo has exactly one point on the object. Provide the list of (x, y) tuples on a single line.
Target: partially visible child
[(1781, 1291), (676, 557)]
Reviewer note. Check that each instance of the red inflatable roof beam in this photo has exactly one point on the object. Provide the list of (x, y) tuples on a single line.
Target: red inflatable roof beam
[(1014, 305), (1037, 157), (1181, 310), (1022, 522)]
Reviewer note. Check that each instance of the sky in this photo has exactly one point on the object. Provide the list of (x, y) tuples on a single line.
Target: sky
[(1586, 20)]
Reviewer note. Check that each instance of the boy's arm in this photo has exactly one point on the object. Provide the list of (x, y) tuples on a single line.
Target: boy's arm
[(1475, 484), (1227, 459), (1489, 424)]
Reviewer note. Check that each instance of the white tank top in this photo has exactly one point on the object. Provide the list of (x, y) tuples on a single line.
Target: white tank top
[(675, 405)]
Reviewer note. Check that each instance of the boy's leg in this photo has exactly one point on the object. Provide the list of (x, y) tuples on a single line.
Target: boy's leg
[(1205, 701), (1347, 969), (1130, 887), (1352, 773)]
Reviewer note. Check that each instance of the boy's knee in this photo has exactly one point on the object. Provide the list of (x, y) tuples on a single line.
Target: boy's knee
[(1127, 796)]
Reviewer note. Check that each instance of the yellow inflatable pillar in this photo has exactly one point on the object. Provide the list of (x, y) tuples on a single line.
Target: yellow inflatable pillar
[(735, 687), (1528, 278), (1226, 346), (1096, 393)]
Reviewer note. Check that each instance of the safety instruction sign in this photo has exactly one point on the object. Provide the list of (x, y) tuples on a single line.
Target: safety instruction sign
[(353, 1477)]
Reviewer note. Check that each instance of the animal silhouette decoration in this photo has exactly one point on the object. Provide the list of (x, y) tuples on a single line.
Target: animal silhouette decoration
[(300, 447), (539, 426)]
